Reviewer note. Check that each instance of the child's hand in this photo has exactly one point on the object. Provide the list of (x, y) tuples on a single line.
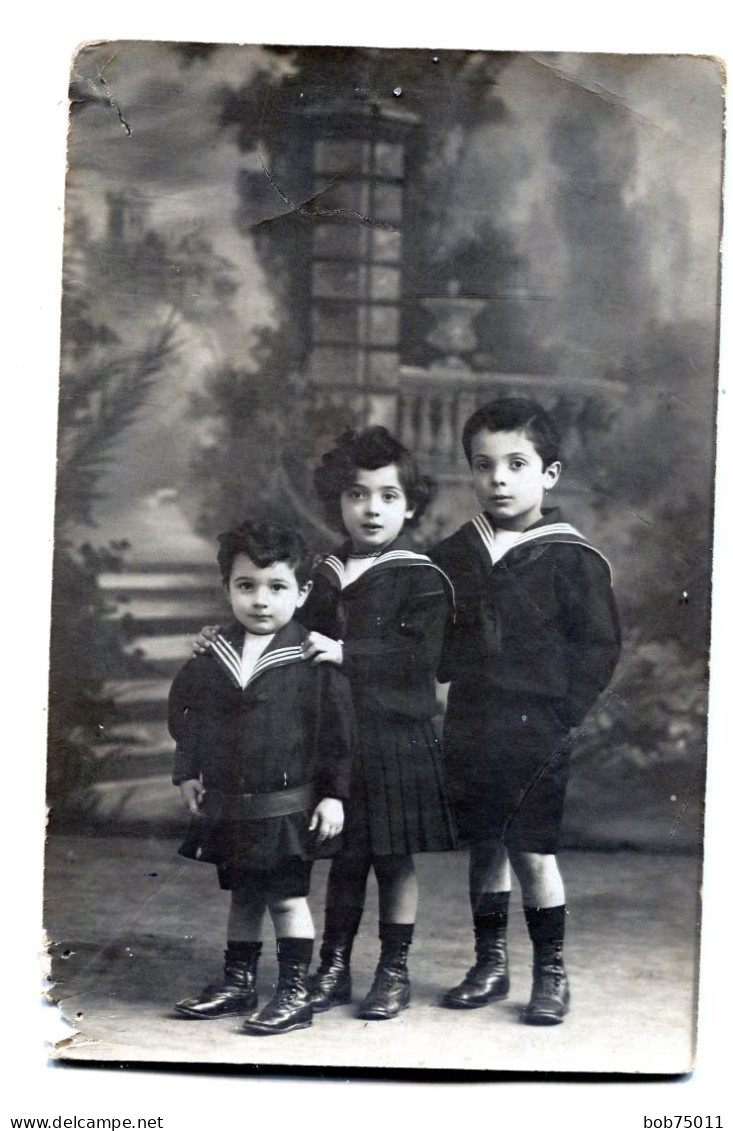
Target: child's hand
[(192, 792), (202, 641), (328, 818), (322, 649)]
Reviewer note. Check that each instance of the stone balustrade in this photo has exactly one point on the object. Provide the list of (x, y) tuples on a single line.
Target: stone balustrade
[(427, 408)]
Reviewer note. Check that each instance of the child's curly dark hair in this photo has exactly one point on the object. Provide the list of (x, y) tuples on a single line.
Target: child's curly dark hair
[(370, 449), (264, 543)]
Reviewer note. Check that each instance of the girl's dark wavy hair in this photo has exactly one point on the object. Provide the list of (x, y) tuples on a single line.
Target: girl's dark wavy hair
[(369, 449), (265, 543)]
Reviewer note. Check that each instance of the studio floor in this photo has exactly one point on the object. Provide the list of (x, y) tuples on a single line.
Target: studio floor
[(132, 927)]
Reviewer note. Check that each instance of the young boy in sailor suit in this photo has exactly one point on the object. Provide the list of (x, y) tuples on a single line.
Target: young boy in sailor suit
[(535, 641), (263, 753)]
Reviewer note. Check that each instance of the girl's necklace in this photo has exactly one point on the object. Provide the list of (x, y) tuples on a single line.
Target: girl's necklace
[(371, 553)]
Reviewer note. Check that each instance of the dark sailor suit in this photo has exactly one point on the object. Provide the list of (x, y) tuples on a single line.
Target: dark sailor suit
[(391, 621), (267, 750), (535, 641)]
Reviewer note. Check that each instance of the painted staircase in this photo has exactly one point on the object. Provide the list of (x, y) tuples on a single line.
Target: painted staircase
[(168, 604)]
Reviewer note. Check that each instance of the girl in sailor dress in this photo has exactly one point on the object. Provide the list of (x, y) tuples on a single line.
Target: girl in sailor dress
[(378, 611)]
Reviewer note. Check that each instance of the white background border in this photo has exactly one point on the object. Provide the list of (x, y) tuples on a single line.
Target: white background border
[(38, 45)]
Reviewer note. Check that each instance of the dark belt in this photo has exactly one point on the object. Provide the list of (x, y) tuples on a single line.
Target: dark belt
[(254, 806)]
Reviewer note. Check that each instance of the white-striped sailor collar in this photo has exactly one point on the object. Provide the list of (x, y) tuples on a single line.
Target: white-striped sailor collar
[(550, 528), (284, 648), (333, 565)]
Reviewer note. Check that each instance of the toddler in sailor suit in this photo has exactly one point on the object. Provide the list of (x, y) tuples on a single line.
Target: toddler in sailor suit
[(263, 754)]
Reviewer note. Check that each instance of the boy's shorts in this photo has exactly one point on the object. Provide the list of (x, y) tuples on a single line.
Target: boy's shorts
[(290, 879), (508, 759)]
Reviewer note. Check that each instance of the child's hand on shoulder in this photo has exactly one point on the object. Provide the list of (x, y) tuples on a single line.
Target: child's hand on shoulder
[(328, 819), (322, 649), (202, 643), (192, 793)]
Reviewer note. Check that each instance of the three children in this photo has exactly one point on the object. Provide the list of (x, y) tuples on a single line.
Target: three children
[(534, 640)]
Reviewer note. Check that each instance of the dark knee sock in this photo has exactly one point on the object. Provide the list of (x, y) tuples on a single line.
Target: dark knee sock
[(342, 921), (396, 932), (243, 950), (395, 939), (295, 950), (345, 897), (491, 911), (546, 924)]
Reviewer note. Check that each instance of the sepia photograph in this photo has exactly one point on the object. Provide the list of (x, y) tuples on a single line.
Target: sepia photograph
[(382, 568)]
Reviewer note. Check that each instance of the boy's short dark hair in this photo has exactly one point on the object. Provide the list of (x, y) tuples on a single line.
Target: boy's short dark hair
[(514, 414), (265, 543), (372, 448)]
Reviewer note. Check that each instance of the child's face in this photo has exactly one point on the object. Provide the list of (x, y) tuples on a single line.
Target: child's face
[(374, 508), (264, 598), (509, 479)]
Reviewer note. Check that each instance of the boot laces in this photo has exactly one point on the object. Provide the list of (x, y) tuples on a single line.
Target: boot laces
[(388, 976), (287, 991), (551, 979)]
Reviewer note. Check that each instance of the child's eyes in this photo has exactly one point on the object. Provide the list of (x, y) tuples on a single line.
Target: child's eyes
[(248, 587), (387, 496), (514, 464)]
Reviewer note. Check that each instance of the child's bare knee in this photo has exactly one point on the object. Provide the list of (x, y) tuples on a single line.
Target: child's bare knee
[(533, 865), (283, 904)]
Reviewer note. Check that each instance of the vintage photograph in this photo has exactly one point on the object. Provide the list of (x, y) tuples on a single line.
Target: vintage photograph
[(381, 603)]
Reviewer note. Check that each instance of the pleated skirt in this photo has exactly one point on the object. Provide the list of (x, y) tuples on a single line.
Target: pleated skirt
[(399, 803)]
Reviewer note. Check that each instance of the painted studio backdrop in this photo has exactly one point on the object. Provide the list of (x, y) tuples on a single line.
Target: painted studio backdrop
[(265, 245)]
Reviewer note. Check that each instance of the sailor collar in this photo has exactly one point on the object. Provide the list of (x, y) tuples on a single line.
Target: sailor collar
[(550, 528), (398, 557), (283, 649)]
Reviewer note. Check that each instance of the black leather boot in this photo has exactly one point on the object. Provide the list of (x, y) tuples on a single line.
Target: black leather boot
[(390, 990), (550, 999), (289, 1008), (235, 995), (331, 983), (488, 978)]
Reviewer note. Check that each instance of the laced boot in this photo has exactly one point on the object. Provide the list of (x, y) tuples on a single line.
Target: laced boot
[(235, 995), (331, 983), (488, 978), (390, 990), (550, 998), (290, 1007)]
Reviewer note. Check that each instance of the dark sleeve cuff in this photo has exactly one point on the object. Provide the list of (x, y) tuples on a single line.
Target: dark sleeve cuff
[(184, 768)]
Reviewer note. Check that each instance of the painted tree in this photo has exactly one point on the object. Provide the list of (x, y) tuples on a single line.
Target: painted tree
[(102, 389)]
